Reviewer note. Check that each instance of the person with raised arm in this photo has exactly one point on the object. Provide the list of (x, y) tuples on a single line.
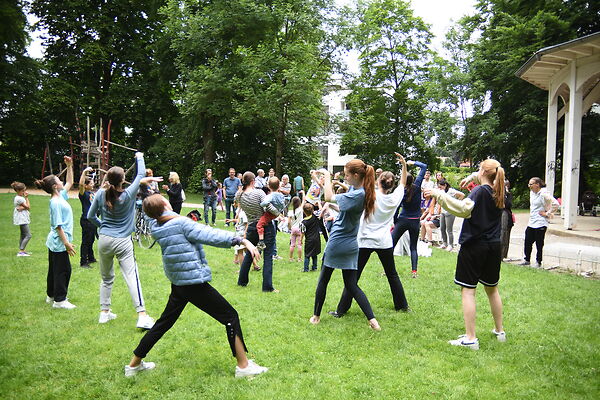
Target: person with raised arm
[(479, 257), (341, 251), (60, 238)]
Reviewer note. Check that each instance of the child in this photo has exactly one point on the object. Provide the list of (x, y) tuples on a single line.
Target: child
[(60, 237), (278, 201), (88, 230), (220, 196), (186, 267), (241, 225), (294, 222), (311, 228), (21, 216)]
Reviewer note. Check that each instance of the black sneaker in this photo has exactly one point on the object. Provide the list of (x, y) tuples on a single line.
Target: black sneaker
[(86, 266)]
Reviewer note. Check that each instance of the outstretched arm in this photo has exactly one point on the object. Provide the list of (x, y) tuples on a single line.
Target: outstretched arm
[(69, 181), (82, 178)]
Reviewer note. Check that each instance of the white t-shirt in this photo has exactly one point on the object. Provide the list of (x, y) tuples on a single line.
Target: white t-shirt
[(452, 192), (375, 232), (296, 217), (20, 217), (537, 203)]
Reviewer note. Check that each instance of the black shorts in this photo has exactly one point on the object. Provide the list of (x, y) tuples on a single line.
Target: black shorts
[(478, 262)]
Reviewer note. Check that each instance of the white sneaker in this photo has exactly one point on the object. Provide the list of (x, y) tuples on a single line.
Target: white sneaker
[(106, 316), (23, 254), (63, 304), (131, 371), (49, 299), (449, 248), (145, 322), (443, 247), (251, 370), (501, 336), (463, 342)]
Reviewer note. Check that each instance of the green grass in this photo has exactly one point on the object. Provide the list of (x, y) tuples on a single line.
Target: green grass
[(551, 321)]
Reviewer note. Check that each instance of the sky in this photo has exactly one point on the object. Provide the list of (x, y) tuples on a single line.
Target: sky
[(440, 14)]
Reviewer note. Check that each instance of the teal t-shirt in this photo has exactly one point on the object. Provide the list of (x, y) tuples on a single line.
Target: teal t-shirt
[(61, 215)]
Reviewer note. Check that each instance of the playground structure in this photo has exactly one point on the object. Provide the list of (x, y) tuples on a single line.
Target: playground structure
[(95, 145)]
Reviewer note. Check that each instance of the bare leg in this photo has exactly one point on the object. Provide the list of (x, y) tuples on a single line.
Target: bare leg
[(496, 306), (240, 353), (469, 310), (135, 361)]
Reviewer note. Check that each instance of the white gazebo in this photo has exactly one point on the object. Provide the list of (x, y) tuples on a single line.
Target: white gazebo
[(571, 71)]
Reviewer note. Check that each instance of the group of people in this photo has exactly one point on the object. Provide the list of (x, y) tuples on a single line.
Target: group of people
[(357, 216)]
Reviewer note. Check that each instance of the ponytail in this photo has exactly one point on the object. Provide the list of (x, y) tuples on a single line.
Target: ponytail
[(369, 187), (115, 177), (499, 188)]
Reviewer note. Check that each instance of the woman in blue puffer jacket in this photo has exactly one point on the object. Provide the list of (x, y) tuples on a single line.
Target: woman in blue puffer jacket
[(186, 267)]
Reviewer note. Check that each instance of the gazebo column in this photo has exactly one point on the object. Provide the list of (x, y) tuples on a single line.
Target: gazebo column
[(551, 144), (573, 150)]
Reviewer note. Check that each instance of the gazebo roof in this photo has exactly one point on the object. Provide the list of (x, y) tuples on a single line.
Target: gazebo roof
[(545, 63)]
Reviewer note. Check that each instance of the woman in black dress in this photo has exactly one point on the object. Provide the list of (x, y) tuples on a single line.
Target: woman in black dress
[(311, 227)]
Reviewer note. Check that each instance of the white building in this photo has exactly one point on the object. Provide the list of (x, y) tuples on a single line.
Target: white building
[(334, 104)]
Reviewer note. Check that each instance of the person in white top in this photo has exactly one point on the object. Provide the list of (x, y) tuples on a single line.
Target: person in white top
[(540, 206), (295, 218), (374, 235), (21, 216)]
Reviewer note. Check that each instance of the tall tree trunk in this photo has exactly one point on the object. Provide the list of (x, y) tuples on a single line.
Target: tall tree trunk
[(280, 141), (208, 140)]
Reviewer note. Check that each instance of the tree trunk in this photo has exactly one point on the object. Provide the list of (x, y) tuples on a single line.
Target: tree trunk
[(280, 141), (208, 140)]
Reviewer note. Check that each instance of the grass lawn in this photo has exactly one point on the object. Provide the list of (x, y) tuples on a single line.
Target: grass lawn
[(551, 320)]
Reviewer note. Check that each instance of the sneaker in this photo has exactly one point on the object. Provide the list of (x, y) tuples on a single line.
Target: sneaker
[(105, 317), (449, 248), (63, 304), (536, 265), (251, 370), (131, 371), (405, 310), (414, 274), (463, 342), (443, 247), (86, 266), (524, 262), (261, 245), (501, 336), (145, 322), (277, 257), (49, 299), (335, 314), (23, 254)]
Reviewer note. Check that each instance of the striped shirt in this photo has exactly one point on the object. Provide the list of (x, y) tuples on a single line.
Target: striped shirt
[(250, 203)]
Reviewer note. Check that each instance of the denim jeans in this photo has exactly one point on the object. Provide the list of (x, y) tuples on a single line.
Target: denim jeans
[(210, 201), (267, 270), (412, 225), (229, 207)]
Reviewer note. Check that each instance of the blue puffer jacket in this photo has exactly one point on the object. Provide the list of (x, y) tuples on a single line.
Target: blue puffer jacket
[(181, 242)]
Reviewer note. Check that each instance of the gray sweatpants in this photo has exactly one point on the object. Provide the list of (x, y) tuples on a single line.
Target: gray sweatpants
[(25, 236), (446, 227), (122, 248)]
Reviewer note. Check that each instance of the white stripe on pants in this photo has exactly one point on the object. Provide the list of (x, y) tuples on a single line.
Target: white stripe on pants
[(122, 248)]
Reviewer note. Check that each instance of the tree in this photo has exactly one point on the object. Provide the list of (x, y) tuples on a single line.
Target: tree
[(388, 99), (512, 126), (106, 60)]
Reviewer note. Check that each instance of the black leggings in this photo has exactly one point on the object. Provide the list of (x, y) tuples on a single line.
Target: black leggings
[(350, 284), (386, 256), (206, 298), (413, 227), (534, 235)]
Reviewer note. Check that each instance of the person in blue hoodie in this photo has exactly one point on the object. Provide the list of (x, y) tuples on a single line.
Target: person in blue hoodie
[(185, 265)]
